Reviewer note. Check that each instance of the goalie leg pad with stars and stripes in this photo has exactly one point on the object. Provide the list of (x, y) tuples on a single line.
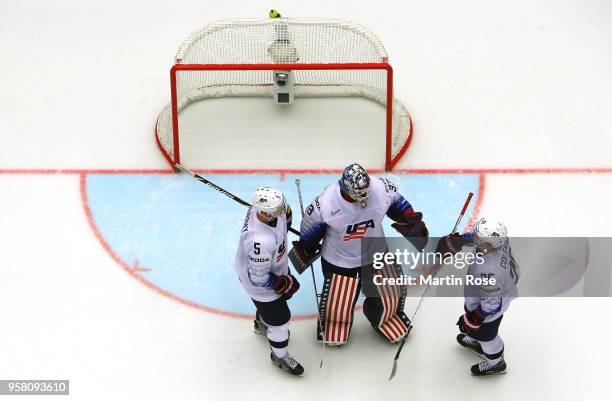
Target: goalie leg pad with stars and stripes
[(341, 289), (386, 310)]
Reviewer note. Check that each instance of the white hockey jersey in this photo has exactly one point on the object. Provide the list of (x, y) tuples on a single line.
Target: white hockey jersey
[(261, 254), (493, 299), (342, 224)]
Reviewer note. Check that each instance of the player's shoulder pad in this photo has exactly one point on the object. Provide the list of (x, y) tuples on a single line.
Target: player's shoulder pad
[(330, 192), (389, 186), (314, 206)]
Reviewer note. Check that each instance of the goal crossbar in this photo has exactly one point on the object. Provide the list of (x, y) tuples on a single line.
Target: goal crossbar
[(330, 58)]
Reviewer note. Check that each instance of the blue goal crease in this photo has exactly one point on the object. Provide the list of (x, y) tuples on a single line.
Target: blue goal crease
[(186, 233)]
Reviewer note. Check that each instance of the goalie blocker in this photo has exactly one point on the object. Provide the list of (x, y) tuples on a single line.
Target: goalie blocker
[(303, 256)]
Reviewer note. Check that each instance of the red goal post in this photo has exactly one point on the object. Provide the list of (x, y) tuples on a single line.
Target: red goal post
[(231, 71)]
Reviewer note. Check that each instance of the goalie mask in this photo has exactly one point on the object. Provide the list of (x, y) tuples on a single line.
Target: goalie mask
[(489, 234), (269, 202), (355, 183)]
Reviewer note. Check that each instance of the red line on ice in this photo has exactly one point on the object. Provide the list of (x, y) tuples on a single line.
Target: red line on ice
[(135, 273)]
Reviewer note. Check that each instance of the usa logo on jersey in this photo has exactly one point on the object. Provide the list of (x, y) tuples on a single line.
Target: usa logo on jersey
[(358, 230)]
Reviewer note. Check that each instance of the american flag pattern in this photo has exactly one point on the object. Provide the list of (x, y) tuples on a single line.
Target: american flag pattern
[(393, 323), (337, 302)]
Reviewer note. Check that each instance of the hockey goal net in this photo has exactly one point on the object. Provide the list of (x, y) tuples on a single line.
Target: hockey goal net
[(326, 58)]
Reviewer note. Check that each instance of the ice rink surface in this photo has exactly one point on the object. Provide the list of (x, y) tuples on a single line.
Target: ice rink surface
[(116, 274)]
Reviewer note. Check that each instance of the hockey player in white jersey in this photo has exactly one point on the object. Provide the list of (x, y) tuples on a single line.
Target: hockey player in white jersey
[(485, 304), (341, 216), (261, 264)]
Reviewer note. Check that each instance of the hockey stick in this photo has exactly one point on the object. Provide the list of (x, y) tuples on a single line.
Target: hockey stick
[(314, 281), (223, 191), (401, 346)]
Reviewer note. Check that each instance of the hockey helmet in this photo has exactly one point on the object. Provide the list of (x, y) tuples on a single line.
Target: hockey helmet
[(489, 233), (269, 202), (355, 182)]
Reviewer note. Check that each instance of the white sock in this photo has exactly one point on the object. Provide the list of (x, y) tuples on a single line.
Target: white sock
[(495, 348), (278, 335), (280, 352), (493, 362)]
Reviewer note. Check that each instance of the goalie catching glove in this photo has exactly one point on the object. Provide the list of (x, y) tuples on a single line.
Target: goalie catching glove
[(286, 285), (302, 256), (413, 229)]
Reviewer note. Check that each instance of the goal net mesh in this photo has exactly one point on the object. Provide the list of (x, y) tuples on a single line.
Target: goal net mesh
[(282, 41)]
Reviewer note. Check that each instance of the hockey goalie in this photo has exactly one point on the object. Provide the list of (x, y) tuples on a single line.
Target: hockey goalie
[(333, 227)]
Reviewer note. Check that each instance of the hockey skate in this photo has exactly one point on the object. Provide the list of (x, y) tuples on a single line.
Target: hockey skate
[(485, 368), (259, 327), (287, 363), (473, 346)]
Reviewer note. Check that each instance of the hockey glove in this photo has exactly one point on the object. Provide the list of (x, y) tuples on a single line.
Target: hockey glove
[(286, 285), (451, 244), (302, 256), (471, 321), (413, 229)]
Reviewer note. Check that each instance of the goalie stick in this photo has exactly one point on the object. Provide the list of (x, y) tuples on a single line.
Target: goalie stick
[(223, 191), (401, 346), (314, 280)]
